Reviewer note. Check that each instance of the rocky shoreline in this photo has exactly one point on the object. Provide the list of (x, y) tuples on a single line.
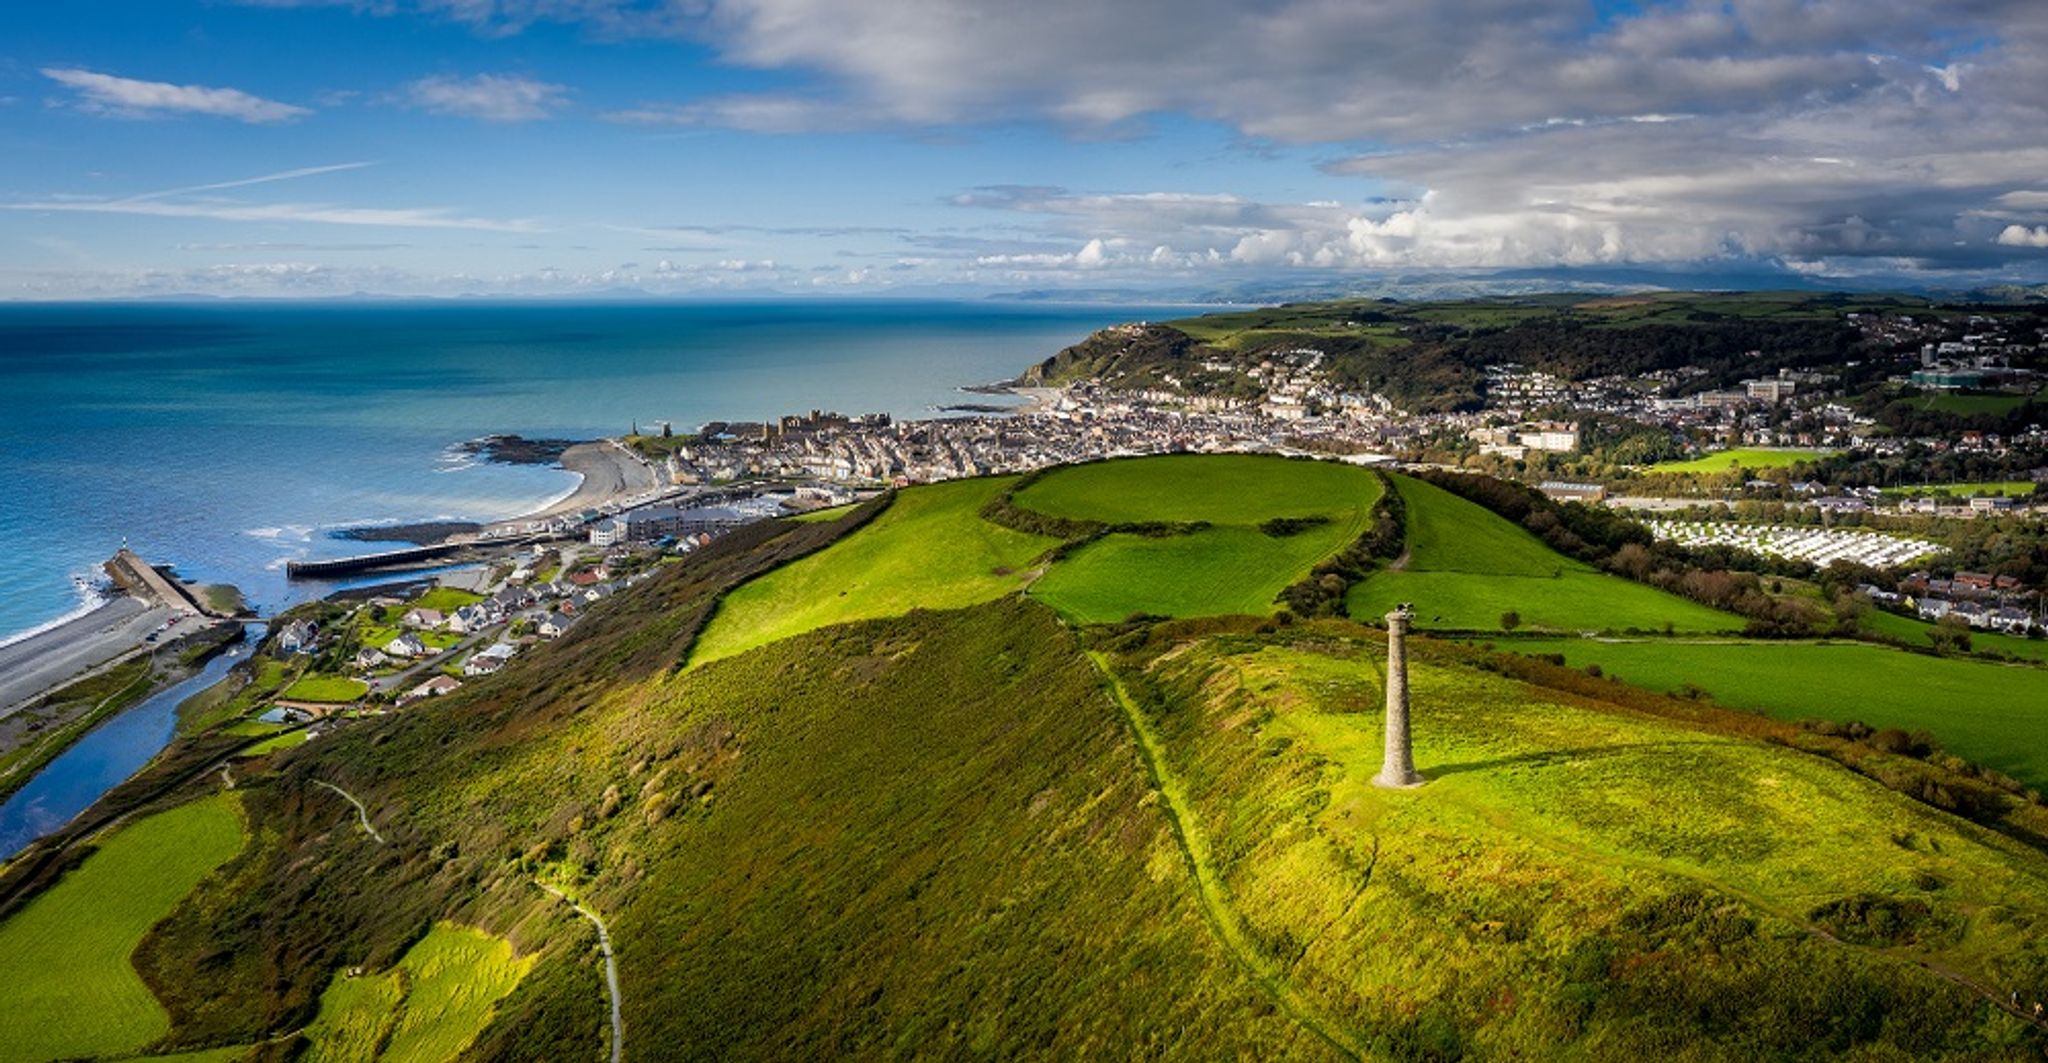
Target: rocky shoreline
[(517, 450)]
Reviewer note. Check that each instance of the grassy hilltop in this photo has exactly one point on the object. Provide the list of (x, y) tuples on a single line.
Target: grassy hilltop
[(909, 783)]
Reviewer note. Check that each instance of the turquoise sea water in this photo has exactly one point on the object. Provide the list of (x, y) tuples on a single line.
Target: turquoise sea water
[(229, 438)]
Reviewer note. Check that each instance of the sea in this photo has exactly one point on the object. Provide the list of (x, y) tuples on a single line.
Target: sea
[(228, 438)]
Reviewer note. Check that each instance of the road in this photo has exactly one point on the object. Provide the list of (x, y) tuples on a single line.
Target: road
[(398, 680), (41, 663)]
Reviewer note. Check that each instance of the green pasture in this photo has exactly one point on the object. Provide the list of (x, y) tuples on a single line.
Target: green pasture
[(1231, 567), (444, 599), (1913, 632), (2009, 488), (930, 549), (1466, 567), (1219, 570), (1987, 713), (67, 988), (829, 513), (1744, 458), (1968, 405), (1217, 488), (325, 688), (427, 1009)]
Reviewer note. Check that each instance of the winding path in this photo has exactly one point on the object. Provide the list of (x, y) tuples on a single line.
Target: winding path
[(611, 967), (1223, 920), (361, 812)]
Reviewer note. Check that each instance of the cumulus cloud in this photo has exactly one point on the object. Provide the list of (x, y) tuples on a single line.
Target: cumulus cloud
[(2022, 236), (487, 97), (129, 98)]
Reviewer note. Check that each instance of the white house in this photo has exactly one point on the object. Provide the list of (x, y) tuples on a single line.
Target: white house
[(298, 636), (422, 618), (406, 645)]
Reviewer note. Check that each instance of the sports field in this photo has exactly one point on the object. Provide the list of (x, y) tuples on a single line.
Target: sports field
[(1467, 566), (929, 550), (1745, 458), (1990, 714), (67, 987)]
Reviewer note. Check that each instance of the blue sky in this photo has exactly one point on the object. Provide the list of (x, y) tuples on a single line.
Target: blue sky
[(549, 147)]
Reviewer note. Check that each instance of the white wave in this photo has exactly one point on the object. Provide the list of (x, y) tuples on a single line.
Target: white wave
[(289, 533), (91, 595)]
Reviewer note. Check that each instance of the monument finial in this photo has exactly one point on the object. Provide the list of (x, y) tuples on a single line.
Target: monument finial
[(1397, 770)]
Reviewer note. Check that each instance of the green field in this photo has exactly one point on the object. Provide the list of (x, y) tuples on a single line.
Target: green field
[(66, 985), (427, 1009), (444, 599), (1969, 405), (1990, 714), (1745, 458), (930, 549), (1239, 489), (1913, 632), (1217, 571), (2010, 488), (1467, 566), (829, 513), (328, 688), (1232, 567), (287, 740)]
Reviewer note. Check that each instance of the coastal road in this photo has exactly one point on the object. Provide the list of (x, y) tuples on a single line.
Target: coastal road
[(43, 662)]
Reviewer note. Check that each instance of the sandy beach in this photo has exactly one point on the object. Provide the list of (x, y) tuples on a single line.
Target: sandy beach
[(611, 474)]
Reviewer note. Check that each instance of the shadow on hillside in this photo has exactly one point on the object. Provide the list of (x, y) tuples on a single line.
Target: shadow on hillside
[(1547, 758)]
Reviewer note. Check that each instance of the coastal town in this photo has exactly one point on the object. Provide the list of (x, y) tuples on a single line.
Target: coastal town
[(1792, 467), (1745, 472)]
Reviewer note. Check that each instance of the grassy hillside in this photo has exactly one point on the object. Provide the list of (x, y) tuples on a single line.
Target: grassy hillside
[(1549, 887), (427, 1008), (929, 550), (1990, 714), (66, 985), (1467, 566), (983, 832)]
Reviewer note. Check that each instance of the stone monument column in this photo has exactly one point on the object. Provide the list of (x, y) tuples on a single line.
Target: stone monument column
[(1397, 771)]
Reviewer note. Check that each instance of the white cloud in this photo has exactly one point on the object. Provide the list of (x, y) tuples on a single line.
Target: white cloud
[(128, 98), (488, 97), (2022, 236)]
